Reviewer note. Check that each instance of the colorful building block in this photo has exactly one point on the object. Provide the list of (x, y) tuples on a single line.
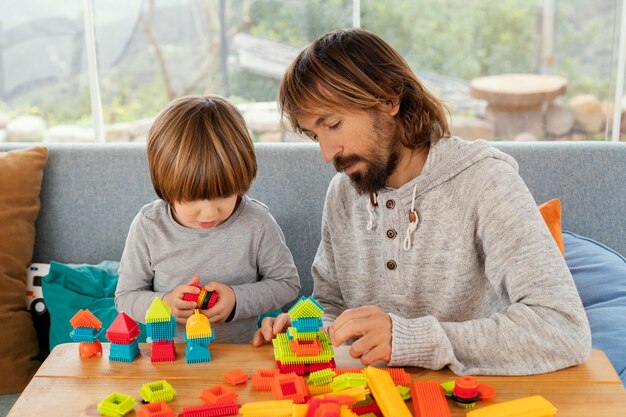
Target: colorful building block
[(160, 390), (325, 376), (88, 350), (535, 406), (429, 399), (123, 330), (289, 387), (385, 393), (124, 353), (158, 311), (281, 408), (163, 351), (306, 307), (85, 318), (157, 409), (116, 405), (236, 377), (218, 394), (211, 410), (198, 326), (262, 379)]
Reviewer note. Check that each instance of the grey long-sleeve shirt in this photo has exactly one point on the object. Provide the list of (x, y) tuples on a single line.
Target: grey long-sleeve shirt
[(247, 252), (483, 288)]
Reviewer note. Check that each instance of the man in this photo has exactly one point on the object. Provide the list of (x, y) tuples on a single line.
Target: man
[(433, 251)]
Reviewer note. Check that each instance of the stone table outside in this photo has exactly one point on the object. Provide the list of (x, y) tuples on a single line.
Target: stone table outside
[(516, 102)]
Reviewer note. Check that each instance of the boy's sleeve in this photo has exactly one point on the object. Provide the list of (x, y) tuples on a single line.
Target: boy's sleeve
[(278, 282), (135, 292)]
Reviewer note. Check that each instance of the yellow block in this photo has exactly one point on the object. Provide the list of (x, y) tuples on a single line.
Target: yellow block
[(385, 393), (535, 406)]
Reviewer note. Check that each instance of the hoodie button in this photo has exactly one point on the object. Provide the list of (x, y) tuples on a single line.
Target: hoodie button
[(391, 265), (390, 204), (391, 234)]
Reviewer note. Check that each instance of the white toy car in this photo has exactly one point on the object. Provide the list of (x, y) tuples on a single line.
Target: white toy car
[(34, 295)]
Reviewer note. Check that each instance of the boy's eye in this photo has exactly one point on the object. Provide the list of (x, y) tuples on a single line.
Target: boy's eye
[(335, 126)]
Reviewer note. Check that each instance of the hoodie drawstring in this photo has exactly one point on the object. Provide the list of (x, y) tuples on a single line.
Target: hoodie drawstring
[(413, 219), (371, 208)]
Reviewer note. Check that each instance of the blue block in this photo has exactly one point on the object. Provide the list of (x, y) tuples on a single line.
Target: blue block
[(198, 341), (124, 353), (85, 334), (197, 354), (165, 330), (304, 325)]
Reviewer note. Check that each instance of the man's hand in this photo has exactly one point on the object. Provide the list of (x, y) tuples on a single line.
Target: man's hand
[(182, 309), (371, 327), (225, 304), (270, 327)]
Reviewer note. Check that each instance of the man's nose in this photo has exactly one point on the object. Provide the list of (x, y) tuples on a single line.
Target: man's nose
[(329, 150)]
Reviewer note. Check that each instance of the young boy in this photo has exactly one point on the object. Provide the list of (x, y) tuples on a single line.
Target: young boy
[(202, 162)]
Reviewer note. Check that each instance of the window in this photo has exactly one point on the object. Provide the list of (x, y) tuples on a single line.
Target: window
[(507, 70)]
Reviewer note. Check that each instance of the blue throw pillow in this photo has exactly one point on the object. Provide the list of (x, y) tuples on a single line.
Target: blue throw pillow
[(600, 276), (68, 288)]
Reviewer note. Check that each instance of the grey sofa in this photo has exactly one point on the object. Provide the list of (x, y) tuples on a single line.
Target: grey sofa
[(92, 192)]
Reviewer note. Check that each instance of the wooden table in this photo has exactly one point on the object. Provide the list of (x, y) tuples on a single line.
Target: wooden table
[(65, 385)]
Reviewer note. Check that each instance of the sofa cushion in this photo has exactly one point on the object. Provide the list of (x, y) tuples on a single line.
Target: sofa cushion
[(600, 276), (551, 213), (21, 173), (71, 287)]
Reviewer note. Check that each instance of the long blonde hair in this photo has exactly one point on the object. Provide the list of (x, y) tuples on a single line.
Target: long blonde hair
[(354, 68)]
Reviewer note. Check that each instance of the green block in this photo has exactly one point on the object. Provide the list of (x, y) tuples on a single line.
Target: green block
[(116, 405), (157, 391), (158, 311), (284, 354), (323, 377), (404, 392), (348, 380)]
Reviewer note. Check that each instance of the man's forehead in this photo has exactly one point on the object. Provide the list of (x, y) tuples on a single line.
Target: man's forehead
[(312, 118)]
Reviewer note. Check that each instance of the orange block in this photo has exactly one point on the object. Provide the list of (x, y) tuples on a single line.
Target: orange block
[(235, 377), (305, 347), (289, 387), (429, 399), (218, 394)]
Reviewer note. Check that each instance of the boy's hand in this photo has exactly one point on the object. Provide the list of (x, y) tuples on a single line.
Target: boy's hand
[(182, 309), (270, 327), (370, 326), (225, 304)]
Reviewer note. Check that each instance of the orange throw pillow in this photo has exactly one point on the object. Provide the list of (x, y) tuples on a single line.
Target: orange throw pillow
[(551, 213), (21, 173)]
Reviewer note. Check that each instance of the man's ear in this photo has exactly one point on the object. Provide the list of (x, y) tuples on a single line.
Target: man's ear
[(391, 107)]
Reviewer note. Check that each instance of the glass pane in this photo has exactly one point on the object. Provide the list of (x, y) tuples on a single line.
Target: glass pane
[(151, 52), (44, 91), (511, 69)]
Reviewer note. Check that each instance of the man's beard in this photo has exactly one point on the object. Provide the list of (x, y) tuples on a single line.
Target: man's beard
[(378, 167)]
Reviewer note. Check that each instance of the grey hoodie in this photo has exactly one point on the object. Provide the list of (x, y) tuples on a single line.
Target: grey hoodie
[(483, 288)]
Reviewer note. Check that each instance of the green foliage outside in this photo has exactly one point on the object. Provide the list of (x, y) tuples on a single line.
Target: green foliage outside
[(463, 39)]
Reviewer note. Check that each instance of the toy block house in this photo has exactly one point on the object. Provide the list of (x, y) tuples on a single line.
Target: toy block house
[(161, 326), (123, 334), (304, 348), (198, 335), (87, 328)]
